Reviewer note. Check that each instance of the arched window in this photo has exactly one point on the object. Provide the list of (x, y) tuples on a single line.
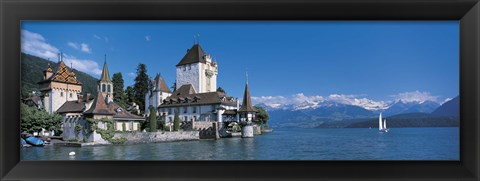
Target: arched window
[(103, 87), (108, 88)]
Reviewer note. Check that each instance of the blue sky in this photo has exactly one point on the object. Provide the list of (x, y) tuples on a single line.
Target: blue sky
[(364, 60)]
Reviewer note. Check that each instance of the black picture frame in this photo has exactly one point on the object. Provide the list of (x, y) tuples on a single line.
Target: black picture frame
[(13, 12)]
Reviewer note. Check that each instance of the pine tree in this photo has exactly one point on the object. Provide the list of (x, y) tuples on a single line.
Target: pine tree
[(153, 119), (176, 121), (129, 94), (141, 85), (118, 94)]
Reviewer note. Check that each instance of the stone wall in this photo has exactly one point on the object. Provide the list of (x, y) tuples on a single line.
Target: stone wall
[(163, 136), (188, 74), (202, 125)]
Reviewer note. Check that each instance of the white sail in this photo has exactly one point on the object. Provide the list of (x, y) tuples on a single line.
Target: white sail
[(380, 126), (385, 124)]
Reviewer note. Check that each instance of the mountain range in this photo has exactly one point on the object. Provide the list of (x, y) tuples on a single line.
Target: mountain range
[(335, 114)]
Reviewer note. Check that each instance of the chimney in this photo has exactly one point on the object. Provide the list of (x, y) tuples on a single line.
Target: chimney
[(88, 97), (79, 98)]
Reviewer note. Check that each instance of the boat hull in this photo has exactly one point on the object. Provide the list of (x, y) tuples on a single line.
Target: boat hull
[(35, 141)]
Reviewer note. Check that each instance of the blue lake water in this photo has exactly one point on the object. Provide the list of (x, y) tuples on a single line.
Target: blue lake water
[(281, 144)]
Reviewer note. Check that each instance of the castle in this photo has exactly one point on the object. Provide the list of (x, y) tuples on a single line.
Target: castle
[(196, 98)]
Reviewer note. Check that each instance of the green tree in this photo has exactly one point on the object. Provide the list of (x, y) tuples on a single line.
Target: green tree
[(262, 116), (153, 119), (141, 85), (174, 86), (220, 89), (129, 94), (33, 120), (118, 94), (176, 121)]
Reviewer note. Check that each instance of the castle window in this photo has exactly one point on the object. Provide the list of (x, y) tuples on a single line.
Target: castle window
[(184, 67), (71, 95), (185, 109), (189, 67), (108, 88), (185, 118), (61, 94), (194, 109), (103, 87)]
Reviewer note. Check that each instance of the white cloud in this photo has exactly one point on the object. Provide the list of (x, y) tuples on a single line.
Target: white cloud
[(73, 45), (35, 44), (84, 47), (88, 66), (148, 38), (80, 46), (415, 96), (106, 40), (97, 37), (131, 74)]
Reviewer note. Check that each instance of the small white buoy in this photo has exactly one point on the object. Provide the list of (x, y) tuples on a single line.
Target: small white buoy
[(72, 153)]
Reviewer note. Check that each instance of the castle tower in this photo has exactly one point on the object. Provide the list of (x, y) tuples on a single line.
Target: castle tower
[(105, 84), (247, 112), (197, 68), (58, 87), (159, 92)]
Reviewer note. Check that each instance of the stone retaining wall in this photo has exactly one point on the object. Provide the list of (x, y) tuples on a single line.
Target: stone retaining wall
[(161, 136)]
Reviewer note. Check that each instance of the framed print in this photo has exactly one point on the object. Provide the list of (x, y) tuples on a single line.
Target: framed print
[(275, 90)]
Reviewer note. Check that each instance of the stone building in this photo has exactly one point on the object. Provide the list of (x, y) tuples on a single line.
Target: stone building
[(159, 92), (76, 112), (196, 68), (58, 87), (196, 98)]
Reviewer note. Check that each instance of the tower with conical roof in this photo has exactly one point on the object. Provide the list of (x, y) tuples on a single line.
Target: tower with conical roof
[(247, 112), (157, 94), (198, 69), (105, 84)]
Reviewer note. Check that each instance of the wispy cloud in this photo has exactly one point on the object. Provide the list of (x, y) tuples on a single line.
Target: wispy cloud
[(415, 96), (80, 46), (131, 74), (35, 44), (148, 38), (101, 38)]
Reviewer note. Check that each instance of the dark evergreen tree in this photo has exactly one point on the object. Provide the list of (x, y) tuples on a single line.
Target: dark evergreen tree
[(176, 121), (129, 94), (174, 86), (141, 86), (118, 94), (220, 89), (153, 119)]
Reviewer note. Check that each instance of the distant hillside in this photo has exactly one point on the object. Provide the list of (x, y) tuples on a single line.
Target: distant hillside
[(410, 120), (450, 108), (32, 68)]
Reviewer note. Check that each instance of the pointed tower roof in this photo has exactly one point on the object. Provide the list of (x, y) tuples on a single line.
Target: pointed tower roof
[(49, 68), (99, 106), (247, 102), (160, 84), (63, 75), (194, 55), (105, 75)]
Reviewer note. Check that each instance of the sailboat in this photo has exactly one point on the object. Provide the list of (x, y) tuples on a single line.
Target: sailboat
[(382, 124)]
